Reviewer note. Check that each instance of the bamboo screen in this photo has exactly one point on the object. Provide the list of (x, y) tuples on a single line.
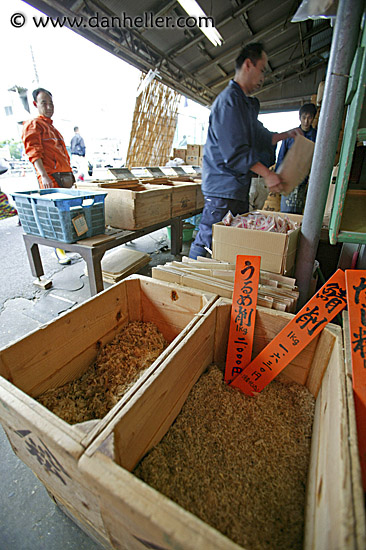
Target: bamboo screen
[(153, 126)]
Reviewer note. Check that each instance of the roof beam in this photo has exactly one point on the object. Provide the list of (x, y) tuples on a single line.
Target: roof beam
[(278, 71), (235, 49)]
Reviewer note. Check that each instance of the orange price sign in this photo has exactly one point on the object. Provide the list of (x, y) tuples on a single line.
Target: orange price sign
[(356, 298), (295, 336), (242, 321)]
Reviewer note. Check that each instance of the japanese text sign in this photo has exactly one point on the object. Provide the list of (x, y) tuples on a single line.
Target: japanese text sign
[(295, 336), (243, 311), (356, 298)]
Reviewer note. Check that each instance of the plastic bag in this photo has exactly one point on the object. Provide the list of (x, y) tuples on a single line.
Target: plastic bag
[(315, 9)]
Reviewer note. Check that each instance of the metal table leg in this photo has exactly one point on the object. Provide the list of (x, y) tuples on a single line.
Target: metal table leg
[(176, 237), (34, 258), (92, 259)]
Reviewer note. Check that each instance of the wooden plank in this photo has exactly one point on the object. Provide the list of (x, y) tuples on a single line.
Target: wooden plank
[(357, 489), (321, 357), (144, 422), (330, 514)]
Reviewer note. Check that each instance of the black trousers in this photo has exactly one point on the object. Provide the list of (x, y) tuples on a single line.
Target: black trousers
[(214, 210)]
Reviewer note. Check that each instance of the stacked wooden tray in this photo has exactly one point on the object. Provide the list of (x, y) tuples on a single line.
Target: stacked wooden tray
[(275, 291)]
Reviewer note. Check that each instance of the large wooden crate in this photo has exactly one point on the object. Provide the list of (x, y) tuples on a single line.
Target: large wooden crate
[(62, 351), (183, 196), (135, 516), (134, 206)]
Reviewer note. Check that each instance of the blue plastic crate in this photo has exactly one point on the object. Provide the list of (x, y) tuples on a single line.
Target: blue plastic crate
[(49, 212)]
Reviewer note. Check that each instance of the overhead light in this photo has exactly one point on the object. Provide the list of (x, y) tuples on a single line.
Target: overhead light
[(194, 10)]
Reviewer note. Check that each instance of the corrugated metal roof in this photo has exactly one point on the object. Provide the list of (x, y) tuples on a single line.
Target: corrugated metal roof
[(186, 59)]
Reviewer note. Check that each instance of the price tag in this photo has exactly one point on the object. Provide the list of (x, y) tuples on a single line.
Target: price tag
[(295, 336), (243, 312), (79, 222), (356, 299)]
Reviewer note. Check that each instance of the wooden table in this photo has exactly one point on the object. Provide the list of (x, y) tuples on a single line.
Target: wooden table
[(93, 249)]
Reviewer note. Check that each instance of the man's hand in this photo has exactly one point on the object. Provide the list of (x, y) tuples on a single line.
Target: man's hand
[(295, 132), (47, 182), (273, 182), (284, 135)]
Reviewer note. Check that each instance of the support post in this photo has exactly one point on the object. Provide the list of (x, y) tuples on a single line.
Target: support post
[(344, 42)]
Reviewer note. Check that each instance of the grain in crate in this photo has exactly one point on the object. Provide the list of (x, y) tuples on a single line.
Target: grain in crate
[(239, 463), (117, 367)]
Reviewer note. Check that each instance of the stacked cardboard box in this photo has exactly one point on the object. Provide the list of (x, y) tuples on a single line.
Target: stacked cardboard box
[(194, 154), (180, 154)]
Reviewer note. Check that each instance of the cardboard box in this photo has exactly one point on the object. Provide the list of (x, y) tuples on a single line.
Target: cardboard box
[(277, 250), (137, 516), (192, 159), (180, 153), (62, 351), (193, 150)]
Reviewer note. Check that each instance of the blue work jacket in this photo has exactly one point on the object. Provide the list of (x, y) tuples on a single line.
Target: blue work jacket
[(236, 140)]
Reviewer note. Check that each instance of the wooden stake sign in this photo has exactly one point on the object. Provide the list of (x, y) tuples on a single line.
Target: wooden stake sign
[(243, 312), (295, 336), (356, 299)]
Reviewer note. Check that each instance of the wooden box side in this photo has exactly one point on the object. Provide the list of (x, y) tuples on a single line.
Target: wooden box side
[(120, 208), (330, 514), (151, 411), (153, 206), (171, 307), (138, 517), (50, 448), (357, 489), (63, 349), (184, 198)]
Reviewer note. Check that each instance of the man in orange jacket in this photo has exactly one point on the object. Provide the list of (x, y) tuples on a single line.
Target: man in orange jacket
[(46, 150)]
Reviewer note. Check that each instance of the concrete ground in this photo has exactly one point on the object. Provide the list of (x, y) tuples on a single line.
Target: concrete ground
[(29, 519)]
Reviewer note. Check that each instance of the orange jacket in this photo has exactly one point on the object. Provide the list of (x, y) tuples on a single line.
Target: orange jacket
[(43, 141)]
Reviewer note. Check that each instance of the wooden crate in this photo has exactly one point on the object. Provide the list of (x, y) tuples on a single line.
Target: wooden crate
[(137, 516), (134, 205), (137, 206), (62, 351), (200, 201), (183, 196), (358, 493)]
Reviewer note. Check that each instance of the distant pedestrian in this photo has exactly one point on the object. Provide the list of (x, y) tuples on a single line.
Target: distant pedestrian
[(78, 154), (46, 150)]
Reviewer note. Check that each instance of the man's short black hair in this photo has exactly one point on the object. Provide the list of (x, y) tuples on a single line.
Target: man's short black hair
[(76, 128), (251, 51), (308, 108), (38, 91)]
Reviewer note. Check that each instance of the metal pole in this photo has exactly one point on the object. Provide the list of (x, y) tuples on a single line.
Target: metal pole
[(344, 42)]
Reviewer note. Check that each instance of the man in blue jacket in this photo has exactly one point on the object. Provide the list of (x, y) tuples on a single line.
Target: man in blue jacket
[(294, 202), (78, 153), (237, 146)]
